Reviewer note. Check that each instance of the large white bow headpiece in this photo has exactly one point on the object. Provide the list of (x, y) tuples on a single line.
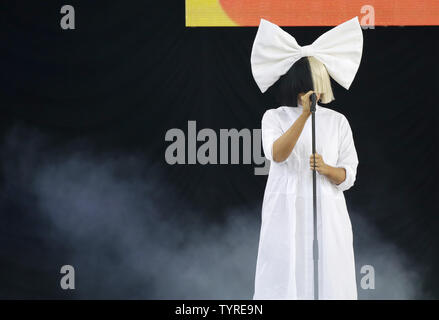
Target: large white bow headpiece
[(275, 51)]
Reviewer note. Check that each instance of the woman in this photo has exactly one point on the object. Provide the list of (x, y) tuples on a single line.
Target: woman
[(285, 256)]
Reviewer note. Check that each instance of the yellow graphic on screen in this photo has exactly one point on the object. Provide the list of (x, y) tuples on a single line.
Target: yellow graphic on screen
[(206, 13)]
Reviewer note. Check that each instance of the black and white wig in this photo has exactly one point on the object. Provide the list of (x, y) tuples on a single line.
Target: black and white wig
[(306, 74)]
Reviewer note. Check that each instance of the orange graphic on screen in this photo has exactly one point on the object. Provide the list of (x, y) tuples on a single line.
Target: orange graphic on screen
[(204, 13)]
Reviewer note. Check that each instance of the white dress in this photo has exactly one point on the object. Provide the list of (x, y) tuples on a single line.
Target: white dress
[(284, 267)]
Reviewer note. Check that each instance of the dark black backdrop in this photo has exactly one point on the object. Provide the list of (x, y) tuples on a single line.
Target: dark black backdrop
[(131, 71)]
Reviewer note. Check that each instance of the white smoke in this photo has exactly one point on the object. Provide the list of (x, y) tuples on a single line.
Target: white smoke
[(396, 277), (130, 236)]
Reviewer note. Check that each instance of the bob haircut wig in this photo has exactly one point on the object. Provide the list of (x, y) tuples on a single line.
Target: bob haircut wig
[(306, 74)]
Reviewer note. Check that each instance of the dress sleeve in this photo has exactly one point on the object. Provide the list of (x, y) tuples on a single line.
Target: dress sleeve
[(271, 131), (347, 155)]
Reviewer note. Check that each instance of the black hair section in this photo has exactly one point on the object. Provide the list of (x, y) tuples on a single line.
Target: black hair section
[(298, 79)]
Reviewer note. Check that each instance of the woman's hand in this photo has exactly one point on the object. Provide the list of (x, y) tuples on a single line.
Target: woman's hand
[(319, 164), (306, 102), (334, 174)]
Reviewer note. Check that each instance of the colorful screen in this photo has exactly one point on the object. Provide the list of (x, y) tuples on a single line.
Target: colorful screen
[(204, 13)]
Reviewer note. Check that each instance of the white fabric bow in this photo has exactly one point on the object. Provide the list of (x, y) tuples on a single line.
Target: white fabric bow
[(275, 51)]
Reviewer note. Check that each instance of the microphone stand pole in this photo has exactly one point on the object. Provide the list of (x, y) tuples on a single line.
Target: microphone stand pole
[(315, 242)]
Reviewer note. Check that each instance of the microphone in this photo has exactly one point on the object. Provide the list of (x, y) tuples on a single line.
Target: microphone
[(313, 99)]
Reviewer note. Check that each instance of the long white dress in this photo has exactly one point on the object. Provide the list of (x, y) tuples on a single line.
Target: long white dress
[(284, 267)]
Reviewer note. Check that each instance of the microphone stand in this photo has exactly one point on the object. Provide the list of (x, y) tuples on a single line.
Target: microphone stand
[(315, 241)]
